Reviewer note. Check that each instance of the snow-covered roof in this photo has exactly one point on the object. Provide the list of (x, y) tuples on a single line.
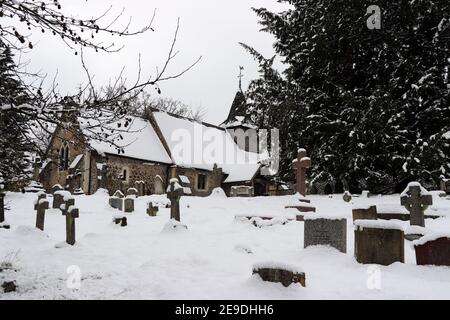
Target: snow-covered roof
[(197, 145), (139, 141)]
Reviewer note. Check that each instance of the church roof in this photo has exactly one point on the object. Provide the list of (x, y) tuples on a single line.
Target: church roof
[(139, 140), (200, 145)]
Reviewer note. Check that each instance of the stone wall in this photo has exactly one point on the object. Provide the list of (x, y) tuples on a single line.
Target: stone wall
[(137, 170), (52, 174)]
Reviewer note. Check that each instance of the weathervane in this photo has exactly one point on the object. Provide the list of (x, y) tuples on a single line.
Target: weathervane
[(240, 77)]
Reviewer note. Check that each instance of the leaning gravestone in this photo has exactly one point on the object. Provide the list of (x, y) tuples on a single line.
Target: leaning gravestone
[(379, 242), (416, 200), (40, 206), (365, 213), (433, 250), (326, 231), (128, 204), (151, 210), (282, 273)]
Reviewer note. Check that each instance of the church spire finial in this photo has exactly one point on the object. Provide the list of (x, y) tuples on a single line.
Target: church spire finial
[(241, 68)]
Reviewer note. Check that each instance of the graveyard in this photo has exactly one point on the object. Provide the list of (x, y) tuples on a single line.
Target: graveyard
[(223, 248)]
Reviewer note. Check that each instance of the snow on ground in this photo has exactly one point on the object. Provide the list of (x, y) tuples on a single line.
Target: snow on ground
[(213, 259)]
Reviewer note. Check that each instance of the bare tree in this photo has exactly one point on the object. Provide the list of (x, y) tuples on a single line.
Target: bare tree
[(102, 113)]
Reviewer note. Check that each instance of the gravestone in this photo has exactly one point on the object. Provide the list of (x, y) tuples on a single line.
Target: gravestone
[(118, 194), (151, 210), (121, 220), (3, 224), (347, 197), (104, 176), (326, 231), (174, 193), (128, 204), (56, 187), (433, 251), (281, 273), (445, 184), (379, 242), (9, 286), (300, 165), (59, 198), (40, 206), (416, 200), (242, 191), (365, 213), (116, 203), (133, 192), (71, 212), (140, 186)]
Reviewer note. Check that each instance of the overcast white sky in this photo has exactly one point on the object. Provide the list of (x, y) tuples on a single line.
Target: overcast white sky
[(208, 28)]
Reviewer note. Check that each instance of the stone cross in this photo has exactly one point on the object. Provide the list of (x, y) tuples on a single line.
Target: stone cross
[(174, 195), (300, 165), (104, 174), (151, 210), (41, 205), (416, 204), (71, 214)]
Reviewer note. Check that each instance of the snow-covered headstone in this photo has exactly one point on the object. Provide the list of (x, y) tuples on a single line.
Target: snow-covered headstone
[(280, 272), (433, 249), (128, 204), (326, 231), (379, 242), (174, 193), (40, 206), (151, 210), (71, 212), (365, 213)]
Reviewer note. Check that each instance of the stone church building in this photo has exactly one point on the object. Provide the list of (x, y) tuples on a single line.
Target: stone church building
[(155, 149)]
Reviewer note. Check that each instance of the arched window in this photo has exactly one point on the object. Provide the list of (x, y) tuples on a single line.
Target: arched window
[(124, 175), (64, 157)]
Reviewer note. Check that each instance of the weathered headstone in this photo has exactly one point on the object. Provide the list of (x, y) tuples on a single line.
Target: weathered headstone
[(104, 176), (59, 197), (300, 165), (416, 200), (365, 213), (242, 191), (71, 212), (347, 197), (326, 231), (128, 204), (281, 273), (174, 193), (445, 184), (118, 194), (40, 206), (56, 187), (433, 250), (140, 186), (379, 242), (132, 192), (151, 210), (3, 224), (120, 220), (116, 203)]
